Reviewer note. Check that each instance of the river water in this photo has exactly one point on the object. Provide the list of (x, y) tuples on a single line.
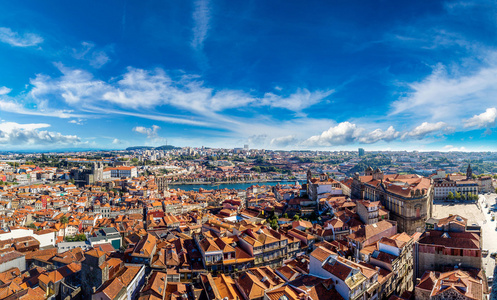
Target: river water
[(237, 186)]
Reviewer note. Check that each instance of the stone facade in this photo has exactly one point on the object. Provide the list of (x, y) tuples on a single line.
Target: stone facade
[(93, 272), (409, 198)]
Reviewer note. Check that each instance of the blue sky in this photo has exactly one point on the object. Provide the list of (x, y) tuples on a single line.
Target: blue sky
[(383, 75)]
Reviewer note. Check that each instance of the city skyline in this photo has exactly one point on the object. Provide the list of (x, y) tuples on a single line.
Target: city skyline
[(290, 76)]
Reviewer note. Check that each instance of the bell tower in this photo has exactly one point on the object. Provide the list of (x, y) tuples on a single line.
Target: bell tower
[(469, 172)]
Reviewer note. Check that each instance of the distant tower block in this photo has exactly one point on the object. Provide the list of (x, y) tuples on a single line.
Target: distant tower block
[(361, 152), (246, 147)]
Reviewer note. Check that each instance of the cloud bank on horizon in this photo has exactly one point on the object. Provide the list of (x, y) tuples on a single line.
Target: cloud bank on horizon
[(411, 76)]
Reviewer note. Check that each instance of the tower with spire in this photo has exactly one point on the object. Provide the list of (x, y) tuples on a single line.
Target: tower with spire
[(469, 172)]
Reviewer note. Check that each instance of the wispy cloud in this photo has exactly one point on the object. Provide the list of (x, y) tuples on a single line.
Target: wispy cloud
[(201, 17), (146, 89), (19, 40), (14, 107), (444, 95), (88, 52)]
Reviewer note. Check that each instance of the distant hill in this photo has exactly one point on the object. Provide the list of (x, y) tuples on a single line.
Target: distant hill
[(140, 148), (165, 147)]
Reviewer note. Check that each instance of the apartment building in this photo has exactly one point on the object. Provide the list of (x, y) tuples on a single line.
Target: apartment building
[(396, 254), (351, 280), (368, 211)]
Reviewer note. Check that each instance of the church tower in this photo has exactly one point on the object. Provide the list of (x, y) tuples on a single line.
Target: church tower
[(469, 172)]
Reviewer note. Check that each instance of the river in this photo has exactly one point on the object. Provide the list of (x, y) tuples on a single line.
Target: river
[(237, 186)]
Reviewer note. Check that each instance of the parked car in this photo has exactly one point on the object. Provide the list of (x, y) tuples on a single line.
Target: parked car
[(484, 251), (493, 254)]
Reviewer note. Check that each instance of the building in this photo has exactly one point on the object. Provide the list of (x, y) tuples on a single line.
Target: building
[(449, 245), (351, 280), (322, 187), (409, 198), (106, 235), (12, 259), (122, 171), (396, 254), (45, 237), (370, 234), (144, 250), (485, 184), (368, 211), (455, 284), (443, 186), (94, 271), (362, 152)]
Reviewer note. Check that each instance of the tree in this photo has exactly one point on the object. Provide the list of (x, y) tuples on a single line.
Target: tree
[(450, 196), (274, 224), (285, 216), (63, 220), (256, 169), (296, 217), (458, 196), (32, 226), (81, 237)]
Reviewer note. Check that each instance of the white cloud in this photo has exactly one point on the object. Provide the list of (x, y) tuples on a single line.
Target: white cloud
[(346, 133), (424, 129), (77, 122), (342, 134), (201, 17), (285, 141), (150, 132), (486, 119), (19, 40), (117, 142), (379, 135), (12, 133), (4, 90)]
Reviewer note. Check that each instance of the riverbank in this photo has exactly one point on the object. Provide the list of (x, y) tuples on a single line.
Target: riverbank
[(231, 186)]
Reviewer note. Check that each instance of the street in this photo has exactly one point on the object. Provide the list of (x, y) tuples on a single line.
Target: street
[(489, 232)]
